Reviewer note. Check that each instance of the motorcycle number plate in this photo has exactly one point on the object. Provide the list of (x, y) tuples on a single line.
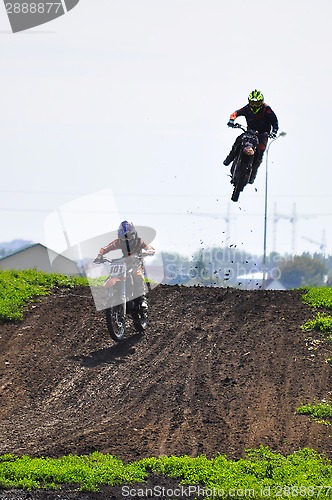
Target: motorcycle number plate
[(248, 150), (117, 270)]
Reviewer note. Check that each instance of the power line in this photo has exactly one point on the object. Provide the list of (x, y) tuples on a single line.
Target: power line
[(158, 195), (205, 214)]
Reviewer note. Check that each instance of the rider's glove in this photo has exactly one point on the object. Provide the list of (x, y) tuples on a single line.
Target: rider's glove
[(99, 259), (231, 123), (273, 134)]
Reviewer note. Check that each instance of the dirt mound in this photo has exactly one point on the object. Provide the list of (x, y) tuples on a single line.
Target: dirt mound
[(220, 370)]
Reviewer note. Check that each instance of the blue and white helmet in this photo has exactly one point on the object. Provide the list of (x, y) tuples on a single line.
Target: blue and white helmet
[(127, 235), (127, 231)]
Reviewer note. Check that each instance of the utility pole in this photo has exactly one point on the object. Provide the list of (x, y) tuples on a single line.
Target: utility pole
[(265, 206)]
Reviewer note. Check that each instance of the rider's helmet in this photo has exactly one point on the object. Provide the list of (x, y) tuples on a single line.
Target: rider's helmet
[(256, 101), (127, 235)]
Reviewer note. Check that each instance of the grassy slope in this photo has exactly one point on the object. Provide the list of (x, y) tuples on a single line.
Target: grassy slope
[(19, 288), (262, 469)]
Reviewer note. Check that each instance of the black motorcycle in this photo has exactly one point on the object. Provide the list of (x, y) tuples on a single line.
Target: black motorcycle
[(127, 295), (241, 169)]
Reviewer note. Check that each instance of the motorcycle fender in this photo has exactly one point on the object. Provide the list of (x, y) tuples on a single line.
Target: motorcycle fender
[(111, 282)]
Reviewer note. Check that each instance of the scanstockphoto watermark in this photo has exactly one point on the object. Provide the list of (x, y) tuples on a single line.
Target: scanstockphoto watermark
[(26, 14), (214, 271), (232, 254), (227, 273), (186, 492), (200, 492)]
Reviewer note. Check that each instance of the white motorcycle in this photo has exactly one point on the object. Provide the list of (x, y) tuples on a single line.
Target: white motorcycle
[(127, 295)]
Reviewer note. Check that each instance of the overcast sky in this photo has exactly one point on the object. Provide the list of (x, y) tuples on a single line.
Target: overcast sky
[(120, 108)]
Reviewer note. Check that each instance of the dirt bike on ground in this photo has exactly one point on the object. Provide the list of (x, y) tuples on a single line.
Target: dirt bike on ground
[(242, 164), (126, 295)]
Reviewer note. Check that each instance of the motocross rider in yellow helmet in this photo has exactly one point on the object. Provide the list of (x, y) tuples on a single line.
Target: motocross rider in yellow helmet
[(260, 117)]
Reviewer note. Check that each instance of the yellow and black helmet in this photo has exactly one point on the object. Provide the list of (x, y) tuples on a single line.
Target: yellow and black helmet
[(256, 101)]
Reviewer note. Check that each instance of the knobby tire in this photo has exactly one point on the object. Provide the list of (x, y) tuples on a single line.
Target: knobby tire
[(116, 322)]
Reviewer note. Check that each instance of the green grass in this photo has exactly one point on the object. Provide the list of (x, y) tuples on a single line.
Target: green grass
[(302, 474), (85, 471), (318, 297), (321, 323), (320, 412), (19, 288)]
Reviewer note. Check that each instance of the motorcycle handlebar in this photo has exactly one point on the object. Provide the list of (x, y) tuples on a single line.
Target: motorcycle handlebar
[(238, 125), (102, 260), (145, 254)]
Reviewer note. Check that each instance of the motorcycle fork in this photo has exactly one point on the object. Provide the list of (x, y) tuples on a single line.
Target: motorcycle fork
[(235, 165), (118, 296), (123, 295), (131, 296)]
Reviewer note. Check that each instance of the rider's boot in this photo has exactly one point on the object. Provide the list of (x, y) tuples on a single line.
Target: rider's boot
[(228, 160), (233, 152), (143, 306), (140, 291)]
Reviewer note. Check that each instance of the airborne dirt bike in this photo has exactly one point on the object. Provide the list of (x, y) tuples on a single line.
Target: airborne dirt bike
[(242, 164), (124, 296)]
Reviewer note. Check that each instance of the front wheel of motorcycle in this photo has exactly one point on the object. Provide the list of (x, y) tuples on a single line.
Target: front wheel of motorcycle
[(116, 322), (240, 178), (236, 193)]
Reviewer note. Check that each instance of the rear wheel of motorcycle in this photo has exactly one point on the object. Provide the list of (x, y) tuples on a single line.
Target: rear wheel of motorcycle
[(116, 322)]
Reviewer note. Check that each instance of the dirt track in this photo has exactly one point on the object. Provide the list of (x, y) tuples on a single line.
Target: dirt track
[(220, 370)]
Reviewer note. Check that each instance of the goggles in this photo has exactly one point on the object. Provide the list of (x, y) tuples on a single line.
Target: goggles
[(255, 104)]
